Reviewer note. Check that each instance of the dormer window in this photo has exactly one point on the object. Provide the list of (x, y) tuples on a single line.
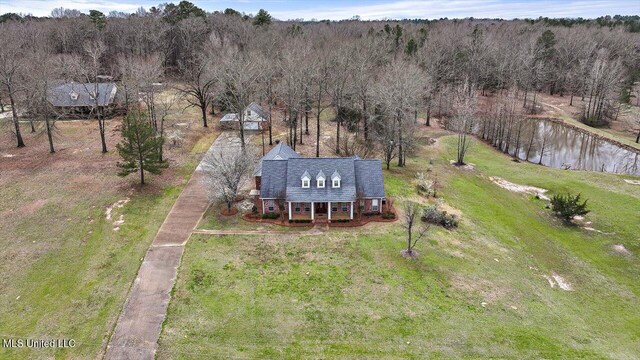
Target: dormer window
[(306, 180), (335, 179), (320, 180)]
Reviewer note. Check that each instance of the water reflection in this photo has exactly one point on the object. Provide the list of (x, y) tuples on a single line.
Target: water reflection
[(555, 145)]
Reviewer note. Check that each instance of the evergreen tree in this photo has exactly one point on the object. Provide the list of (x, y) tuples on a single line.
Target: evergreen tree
[(139, 147), (412, 47), (98, 19), (568, 206), (262, 18)]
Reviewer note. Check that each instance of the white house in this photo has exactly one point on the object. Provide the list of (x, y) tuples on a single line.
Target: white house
[(254, 118)]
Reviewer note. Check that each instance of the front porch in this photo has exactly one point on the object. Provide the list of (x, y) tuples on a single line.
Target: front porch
[(342, 210)]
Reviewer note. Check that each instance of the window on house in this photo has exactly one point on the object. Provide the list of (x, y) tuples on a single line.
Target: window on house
[(362, 203), (271, 205), (321, 183), (248, 112), (297, 207), (307, 207), (374, 204), (344, 207), (334, 208), (336, 183), (305, 183)]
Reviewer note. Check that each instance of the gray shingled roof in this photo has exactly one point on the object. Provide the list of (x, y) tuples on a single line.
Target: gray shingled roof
[(273, 182), (296, 167), (360, 178), (369, 178), (258, 110), (279, 152), (229, 117), (63, 95)]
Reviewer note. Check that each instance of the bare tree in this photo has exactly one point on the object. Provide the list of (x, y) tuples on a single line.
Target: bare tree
[(399, 92), (89, 70), (604, 82), (11, 63), (411, 213), (163, 107), (42, 70), (339, 80), (464, 121), (633, 120), (241, 75), (199, 86), (386, 134), (319, 79), (226, 173)]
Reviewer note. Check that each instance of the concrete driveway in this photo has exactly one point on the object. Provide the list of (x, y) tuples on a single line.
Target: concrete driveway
[(140, 322)]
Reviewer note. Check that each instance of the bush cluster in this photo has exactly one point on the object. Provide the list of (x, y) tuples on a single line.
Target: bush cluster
[(300, 221), (388, 215), (270, 216), (433, 215), (568, 206)]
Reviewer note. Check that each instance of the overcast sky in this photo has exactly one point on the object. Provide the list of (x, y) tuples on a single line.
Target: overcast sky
[(366, 9)]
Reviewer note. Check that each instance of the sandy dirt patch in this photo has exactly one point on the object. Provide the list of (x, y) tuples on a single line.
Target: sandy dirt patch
[(620, 249), (532, 190), (556, 279), (117, 205), (586, 225)]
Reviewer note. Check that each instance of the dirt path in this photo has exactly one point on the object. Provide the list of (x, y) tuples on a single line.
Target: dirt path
[(138, 328)]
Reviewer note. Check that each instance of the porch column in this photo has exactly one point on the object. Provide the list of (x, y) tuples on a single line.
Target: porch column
[(351, 216), (329, 210), (289, 210), (312, 208), (263, 206)]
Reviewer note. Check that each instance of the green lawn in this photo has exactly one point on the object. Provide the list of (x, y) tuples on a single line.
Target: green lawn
[(65, 270), (349, 294)]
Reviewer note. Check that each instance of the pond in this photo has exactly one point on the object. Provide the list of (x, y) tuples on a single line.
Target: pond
[(556, 145)]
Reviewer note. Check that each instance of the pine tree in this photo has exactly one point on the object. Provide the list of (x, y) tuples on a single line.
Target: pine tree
[(262, 18), (139, 147), (568, 206)]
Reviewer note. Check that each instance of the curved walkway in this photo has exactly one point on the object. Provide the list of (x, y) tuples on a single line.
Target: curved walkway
[(138, 328)]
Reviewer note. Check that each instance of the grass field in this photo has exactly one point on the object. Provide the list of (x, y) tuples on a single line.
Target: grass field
[(66, 268), (476, 292)]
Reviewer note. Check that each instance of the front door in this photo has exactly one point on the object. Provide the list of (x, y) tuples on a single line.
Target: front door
[(321, 208)]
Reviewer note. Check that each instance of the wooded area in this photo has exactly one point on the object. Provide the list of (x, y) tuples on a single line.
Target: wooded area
[(376, 76)]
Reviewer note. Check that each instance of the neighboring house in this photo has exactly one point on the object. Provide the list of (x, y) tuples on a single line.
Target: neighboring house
[(81, 97), (318, 188), (254, 117)]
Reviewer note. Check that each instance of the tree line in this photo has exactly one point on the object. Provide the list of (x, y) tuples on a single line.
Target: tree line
[(373, 78)]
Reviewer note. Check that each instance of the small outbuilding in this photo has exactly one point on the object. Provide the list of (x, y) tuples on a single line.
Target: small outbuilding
[(254, 118)]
